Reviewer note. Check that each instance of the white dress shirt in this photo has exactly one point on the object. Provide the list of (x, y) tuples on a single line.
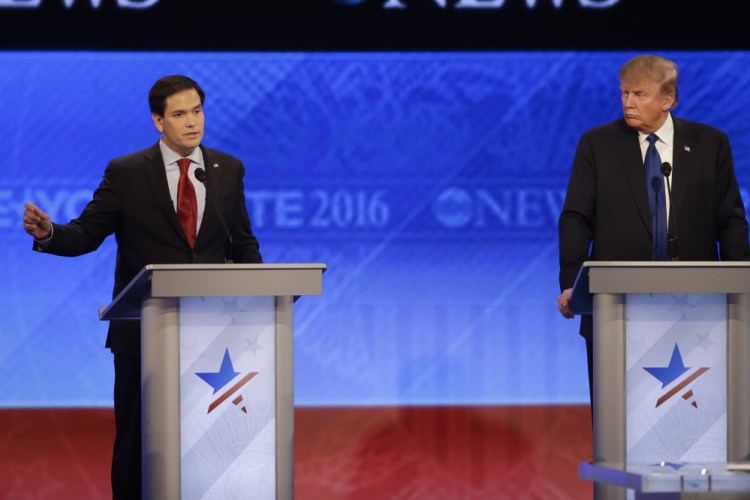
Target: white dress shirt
[(665, 148), (173, 177)]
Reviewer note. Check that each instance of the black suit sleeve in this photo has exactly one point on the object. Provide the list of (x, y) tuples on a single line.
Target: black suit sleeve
[(99, 219), (576, 224), (730, 211)]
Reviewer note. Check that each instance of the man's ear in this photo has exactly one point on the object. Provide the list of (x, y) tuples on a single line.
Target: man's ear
[(157, 118), (668, 102)]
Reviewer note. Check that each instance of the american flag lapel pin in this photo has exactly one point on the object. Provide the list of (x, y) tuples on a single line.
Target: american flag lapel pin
[(216, 165), (687, 149)]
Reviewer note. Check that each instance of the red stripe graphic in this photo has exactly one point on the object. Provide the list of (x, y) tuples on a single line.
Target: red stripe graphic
[(231, 391), (681, 386)]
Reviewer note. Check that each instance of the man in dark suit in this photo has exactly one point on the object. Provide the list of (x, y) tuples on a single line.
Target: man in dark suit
[(159, 214), (611, 210)]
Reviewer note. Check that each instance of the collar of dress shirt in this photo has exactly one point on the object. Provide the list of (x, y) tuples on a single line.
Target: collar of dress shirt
[(665, 133), (170, 157)]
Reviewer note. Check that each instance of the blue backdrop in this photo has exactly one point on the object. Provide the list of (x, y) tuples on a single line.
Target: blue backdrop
[(430, 183)]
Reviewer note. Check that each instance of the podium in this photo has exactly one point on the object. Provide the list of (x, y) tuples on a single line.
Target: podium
[(671, 376), (217, 376)]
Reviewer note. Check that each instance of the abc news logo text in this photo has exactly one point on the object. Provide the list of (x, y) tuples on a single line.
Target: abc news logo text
[(338, 211), (495, 212)]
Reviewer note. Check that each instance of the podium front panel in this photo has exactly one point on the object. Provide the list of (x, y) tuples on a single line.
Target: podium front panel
[(217, 376), (676, 378), (227, 397), (671, 342)]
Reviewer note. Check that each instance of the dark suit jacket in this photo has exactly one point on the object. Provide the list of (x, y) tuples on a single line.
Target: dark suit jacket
[(134, 203), (606, 214)]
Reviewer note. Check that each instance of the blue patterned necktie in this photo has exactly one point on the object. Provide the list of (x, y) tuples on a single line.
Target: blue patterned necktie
[(656, 201)]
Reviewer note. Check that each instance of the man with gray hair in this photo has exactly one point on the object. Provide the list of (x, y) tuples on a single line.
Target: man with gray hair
[(617, 207)]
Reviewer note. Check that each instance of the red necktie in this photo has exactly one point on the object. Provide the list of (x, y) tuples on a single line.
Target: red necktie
[(187, 204)]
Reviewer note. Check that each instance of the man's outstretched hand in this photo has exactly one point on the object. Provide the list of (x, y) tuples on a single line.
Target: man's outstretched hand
[(36, 222)]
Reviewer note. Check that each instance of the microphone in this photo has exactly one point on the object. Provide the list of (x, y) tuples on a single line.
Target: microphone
[(666, 169), (200, 174)]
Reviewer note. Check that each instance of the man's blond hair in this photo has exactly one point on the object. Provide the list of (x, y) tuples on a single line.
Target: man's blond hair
[(657, 69)]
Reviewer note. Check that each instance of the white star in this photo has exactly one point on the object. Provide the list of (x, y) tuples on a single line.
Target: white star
[(704, 341)]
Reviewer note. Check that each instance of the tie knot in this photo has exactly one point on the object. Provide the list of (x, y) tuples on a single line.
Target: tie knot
[(652, 138), (183, 163)]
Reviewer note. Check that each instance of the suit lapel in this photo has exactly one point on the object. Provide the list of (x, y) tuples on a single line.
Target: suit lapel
[(632, 159), (210, 217), (684, 164), (154, 170)]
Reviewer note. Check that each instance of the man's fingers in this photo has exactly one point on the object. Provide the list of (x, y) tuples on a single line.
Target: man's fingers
[(563, 304), (31, 218), (32, 209), (35, 221), (32, 214)]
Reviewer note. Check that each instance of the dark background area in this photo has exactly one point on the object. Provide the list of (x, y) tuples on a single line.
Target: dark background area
[(367, 25)]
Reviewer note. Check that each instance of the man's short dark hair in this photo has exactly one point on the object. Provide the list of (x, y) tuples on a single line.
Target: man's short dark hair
[(167, 86)]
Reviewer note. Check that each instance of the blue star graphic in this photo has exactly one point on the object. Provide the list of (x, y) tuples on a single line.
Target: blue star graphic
[(219, 379), (668, 374)]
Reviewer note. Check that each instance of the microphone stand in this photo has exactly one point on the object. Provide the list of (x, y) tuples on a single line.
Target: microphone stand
[(666, 169), (200, 174)]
